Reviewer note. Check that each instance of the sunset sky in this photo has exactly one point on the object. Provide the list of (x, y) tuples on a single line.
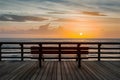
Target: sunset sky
[(59, 18)]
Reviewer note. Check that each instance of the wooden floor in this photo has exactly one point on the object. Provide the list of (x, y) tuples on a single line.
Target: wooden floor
[(59, 71)]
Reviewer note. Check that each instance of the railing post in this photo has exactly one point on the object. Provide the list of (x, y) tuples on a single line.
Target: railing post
[(79, 56), (0, 52), (59, 52), (78, 45), (40, 55), (99, 52), (22, 52)]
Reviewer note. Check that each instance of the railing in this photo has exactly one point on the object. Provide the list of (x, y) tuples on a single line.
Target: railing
[(97, 50)]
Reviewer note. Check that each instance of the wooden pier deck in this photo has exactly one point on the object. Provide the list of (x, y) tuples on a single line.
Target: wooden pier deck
[(65, 70)]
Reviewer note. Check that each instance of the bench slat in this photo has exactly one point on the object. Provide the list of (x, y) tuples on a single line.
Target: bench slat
[(57, 48), (57, 52)]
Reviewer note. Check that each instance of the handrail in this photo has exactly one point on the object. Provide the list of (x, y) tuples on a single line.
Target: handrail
[(59, 42), (99, 49)]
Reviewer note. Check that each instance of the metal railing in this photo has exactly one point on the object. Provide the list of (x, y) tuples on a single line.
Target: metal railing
[(97, 50)]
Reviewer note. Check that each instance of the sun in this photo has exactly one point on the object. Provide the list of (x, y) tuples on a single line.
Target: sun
[(81, 34)]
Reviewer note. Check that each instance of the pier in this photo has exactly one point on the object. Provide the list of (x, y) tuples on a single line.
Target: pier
[(102, 62)]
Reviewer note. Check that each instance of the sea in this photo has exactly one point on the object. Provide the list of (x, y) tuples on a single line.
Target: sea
[(58, 40)]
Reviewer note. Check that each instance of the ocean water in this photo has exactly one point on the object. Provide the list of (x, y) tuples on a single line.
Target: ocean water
[(58, 40)]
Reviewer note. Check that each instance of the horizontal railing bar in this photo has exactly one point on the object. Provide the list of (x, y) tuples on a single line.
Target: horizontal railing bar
[(61, 57), (104, 57), (59, 42), (110, 57), (10, 57), (61, 53), (64, 58), (83, 48), (104, 53), (58, 58), (55, 48), (15, 48), (110, 52), (10, 48), (46, 57), (10, 52), (14, 52), (109, 48)]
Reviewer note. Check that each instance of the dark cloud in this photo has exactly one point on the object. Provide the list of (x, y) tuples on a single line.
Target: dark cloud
[(43, 0), (93, 13), (56, 12), (46, 30), (42, 30), (17, 18), (66, 20)]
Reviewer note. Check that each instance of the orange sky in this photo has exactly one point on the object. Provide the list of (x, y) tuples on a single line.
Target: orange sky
[(60, 19), (90, 28)]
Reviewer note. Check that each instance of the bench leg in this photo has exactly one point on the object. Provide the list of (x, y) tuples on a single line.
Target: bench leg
[(79, 62), (77, 57), (42, 58), (40, 63), (59, 56)]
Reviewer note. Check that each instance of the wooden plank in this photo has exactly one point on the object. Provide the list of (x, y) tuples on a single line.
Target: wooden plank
[(50, 71), (62, 52), (54, 72), (14, 73), (113, 70), (38, 75), (45, 73), (29, 72), (107, 75), (71, 71), (59, 71), (68, 74), (63, 71), (22, 73), (76, 72), (6, 71), (57, 48), (92, 74), (38, 72)]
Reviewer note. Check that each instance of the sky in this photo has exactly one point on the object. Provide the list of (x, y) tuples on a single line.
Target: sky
[(59, 18)]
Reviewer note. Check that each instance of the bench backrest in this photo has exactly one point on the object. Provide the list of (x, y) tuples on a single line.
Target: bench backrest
[(48, 50), (60, 50)]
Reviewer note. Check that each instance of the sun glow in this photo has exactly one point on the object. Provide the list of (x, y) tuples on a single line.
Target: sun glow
[(86, 28), (81, 33)]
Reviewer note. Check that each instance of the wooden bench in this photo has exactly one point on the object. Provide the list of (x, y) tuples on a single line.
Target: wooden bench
[(38, 53)]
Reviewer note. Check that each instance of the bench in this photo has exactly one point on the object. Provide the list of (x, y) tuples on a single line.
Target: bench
[(38, 53)]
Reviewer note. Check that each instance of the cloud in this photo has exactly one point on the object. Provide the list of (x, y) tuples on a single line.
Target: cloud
[(42, 30), (48, 7), (93, 13), (46, 30), (17, 18), (66, 20), (56, 12)]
